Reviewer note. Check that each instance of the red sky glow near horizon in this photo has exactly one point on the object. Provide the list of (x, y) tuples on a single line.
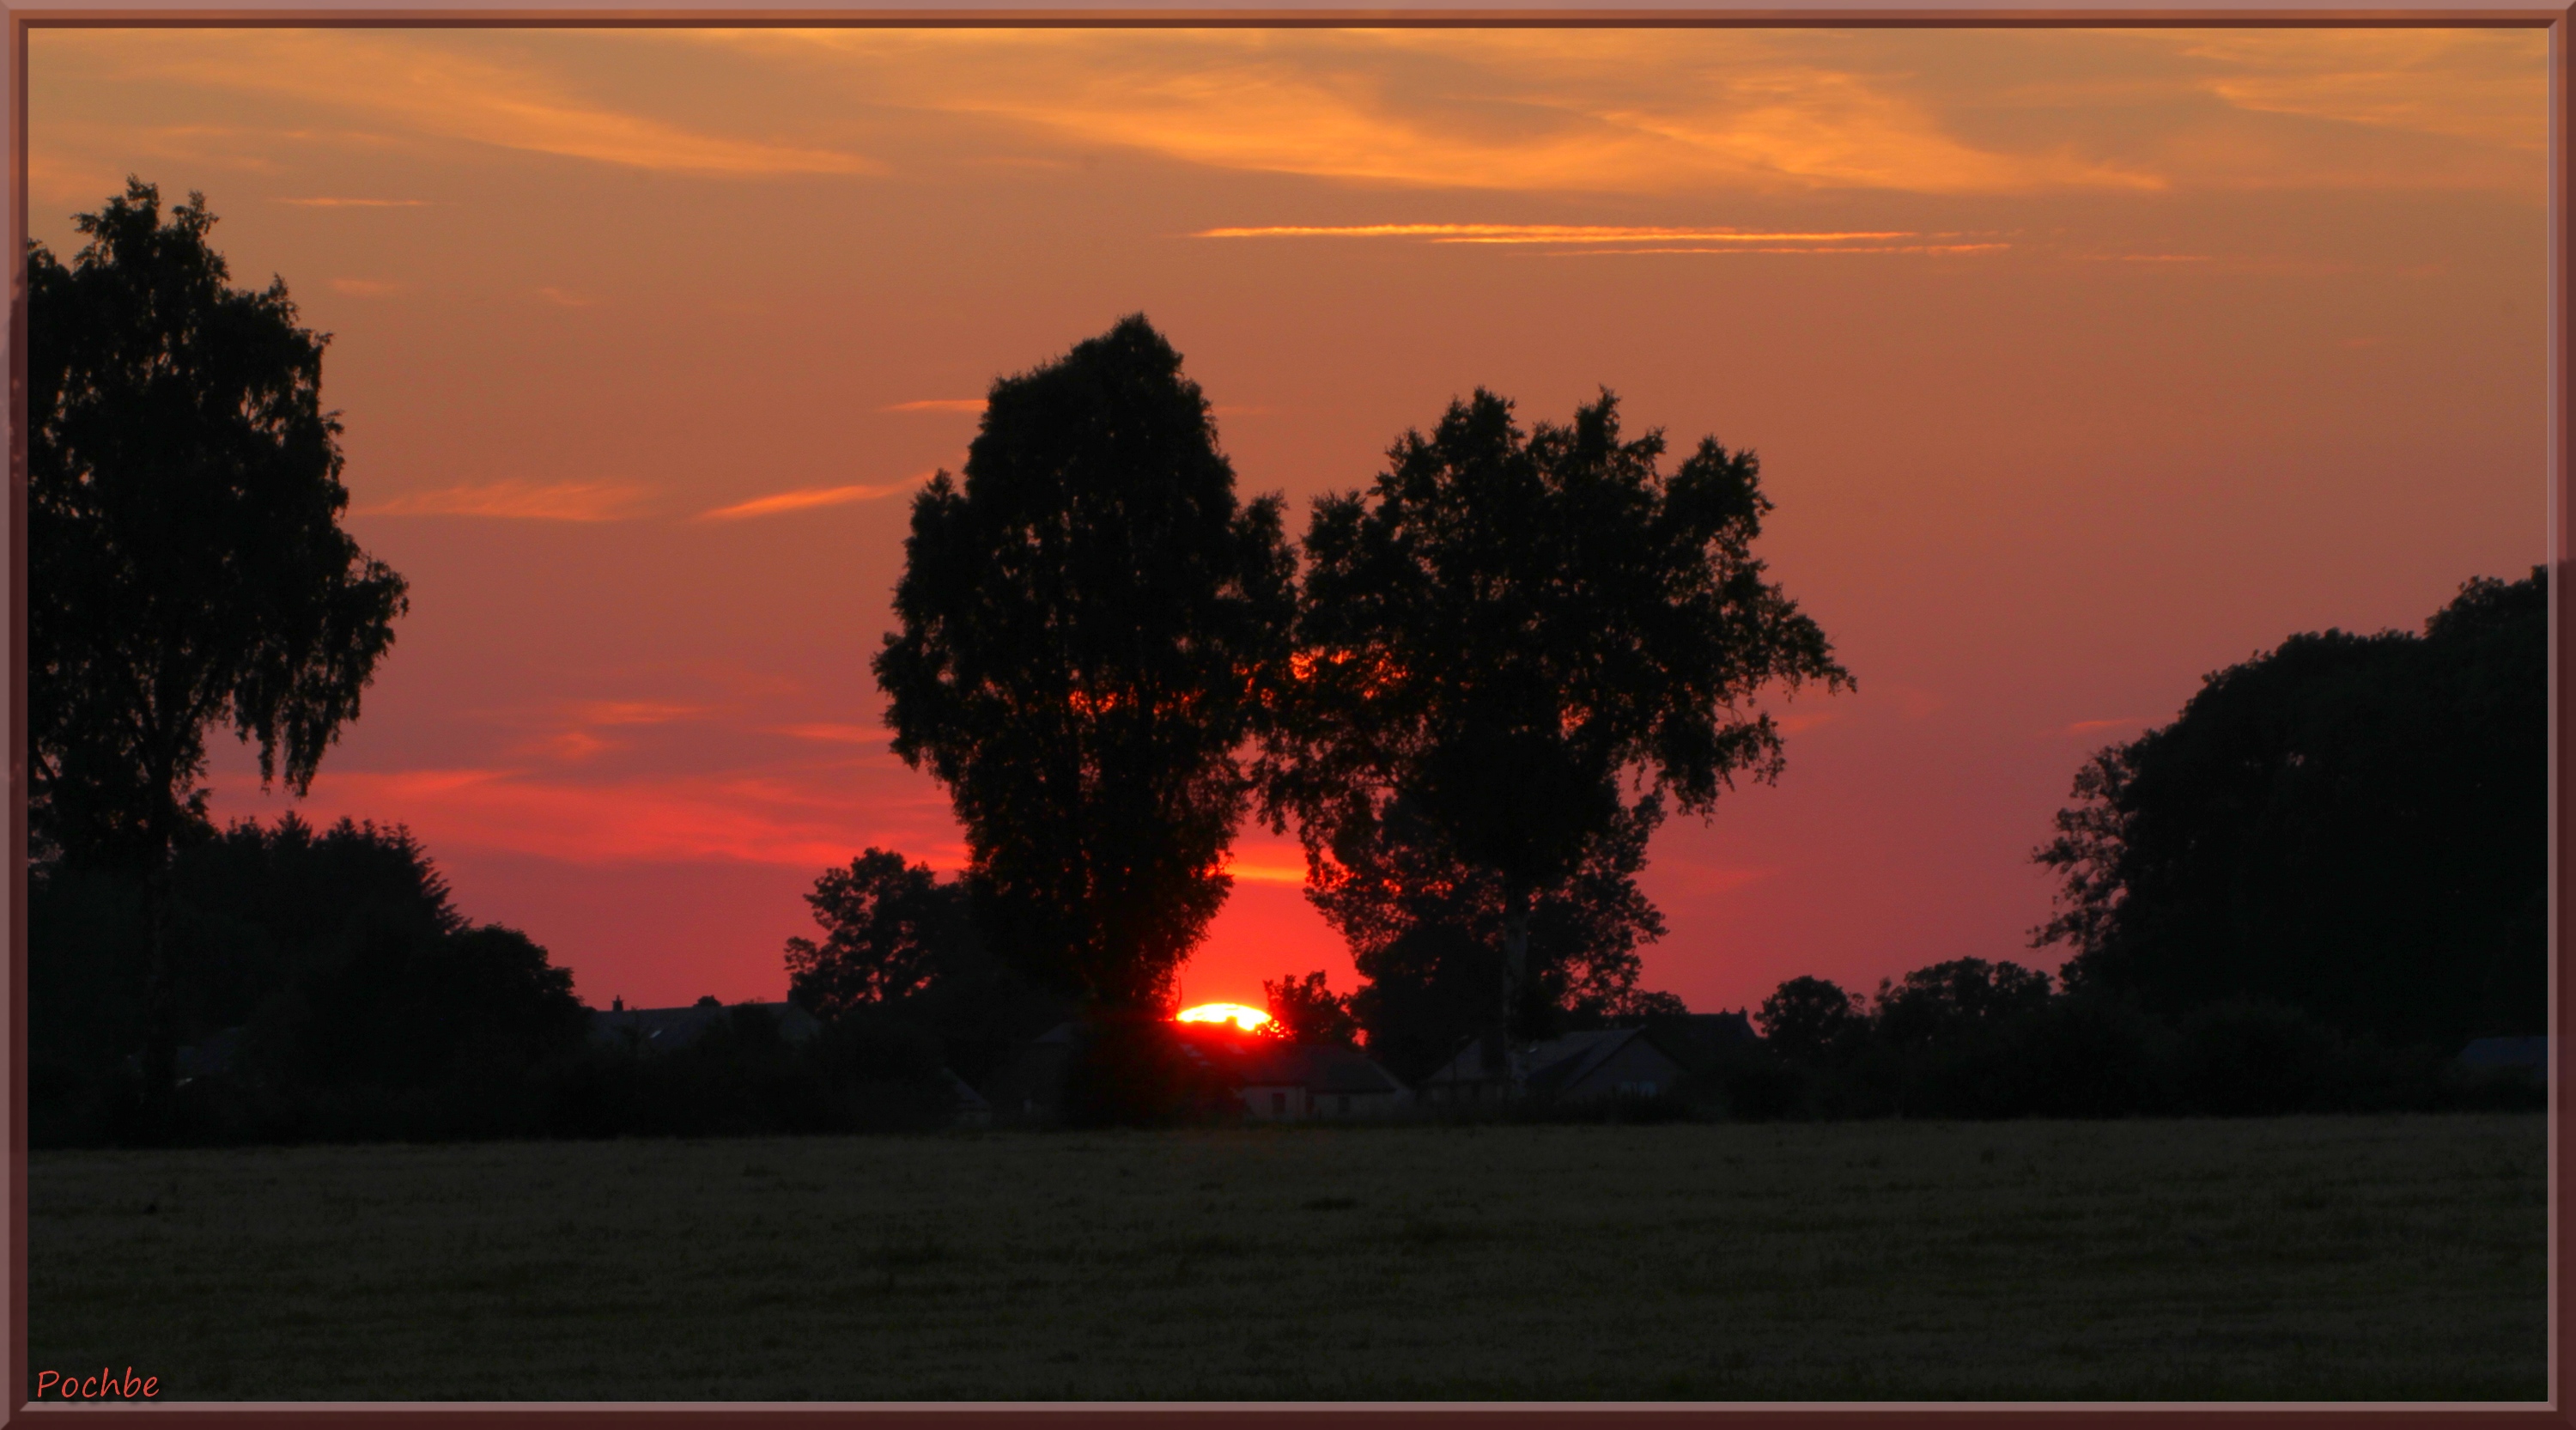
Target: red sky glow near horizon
[(2080, 364)]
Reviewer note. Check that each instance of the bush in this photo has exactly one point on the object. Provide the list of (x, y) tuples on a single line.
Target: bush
[(1131, 1071)]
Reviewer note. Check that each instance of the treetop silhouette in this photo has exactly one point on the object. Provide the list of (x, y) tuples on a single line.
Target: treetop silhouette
[(1085, 623), (1515, 636)]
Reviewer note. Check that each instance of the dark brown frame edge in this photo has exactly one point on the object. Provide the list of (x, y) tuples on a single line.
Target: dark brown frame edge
[(499, 14)]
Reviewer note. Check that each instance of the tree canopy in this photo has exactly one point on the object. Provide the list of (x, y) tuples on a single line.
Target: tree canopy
[(1516, 639), (186, 564), (1085, 622), (2352, 825), (890, 929), (1810, 1019), (1422, 927), (1305, 1010)]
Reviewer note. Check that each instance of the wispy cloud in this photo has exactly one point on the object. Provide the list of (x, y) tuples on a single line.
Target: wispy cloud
[(631, 712), (569, 746), (412, 83), (1610, 240), (553, 501), (1535, 233), (566, 298), (937, 404), (1794, 248), (802, 499), (357, 203), (2459, 83), (1580, 111), (2095, 727), (724, 818), (365, 287), (1265, 871), (837, 734)]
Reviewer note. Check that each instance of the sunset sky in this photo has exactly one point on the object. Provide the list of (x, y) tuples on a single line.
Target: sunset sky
[(2080, 364)]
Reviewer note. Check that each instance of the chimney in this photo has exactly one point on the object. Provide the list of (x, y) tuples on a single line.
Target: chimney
[(617, 1004)]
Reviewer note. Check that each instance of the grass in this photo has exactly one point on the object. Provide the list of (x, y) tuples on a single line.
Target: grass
[(2356, 1258)]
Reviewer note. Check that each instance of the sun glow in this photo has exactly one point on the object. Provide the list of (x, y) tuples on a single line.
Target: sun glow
[(1247, 1019)]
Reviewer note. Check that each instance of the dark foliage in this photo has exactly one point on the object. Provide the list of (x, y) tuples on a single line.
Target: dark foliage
[(1085, 625), (1503, 637), (187, 568), (1303, 1010), (1813, 1021), (906, 949), (2353, 826), (1134, 1070), (1422, 927), (864, 1073), (1950, 1001), (888, 927), (331, 964), (1967, 1039)]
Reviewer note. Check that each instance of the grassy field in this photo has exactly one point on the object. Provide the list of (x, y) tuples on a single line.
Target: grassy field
[(2308, 1259)]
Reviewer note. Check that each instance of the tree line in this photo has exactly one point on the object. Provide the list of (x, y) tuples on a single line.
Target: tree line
[(2306, 892), (1473, 689)]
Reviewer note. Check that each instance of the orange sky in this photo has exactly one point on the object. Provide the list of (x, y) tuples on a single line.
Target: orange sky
[(2080, 364)]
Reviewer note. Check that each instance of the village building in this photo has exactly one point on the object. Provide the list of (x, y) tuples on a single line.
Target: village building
[(1274, 1081), (1029, 1085), (1298, 1082), (1649, 1060), (2525, 1058), (662, 1029)]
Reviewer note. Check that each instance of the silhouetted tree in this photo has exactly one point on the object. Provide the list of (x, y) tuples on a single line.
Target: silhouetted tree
[(1942, 1001), (1503, 629), (1812, 1020), (2353, 826), (392, 1006), (888, 928), (1422, 926), (336, 953), (1085, 623), (1306, 1011), (258, 907), (186, 566)]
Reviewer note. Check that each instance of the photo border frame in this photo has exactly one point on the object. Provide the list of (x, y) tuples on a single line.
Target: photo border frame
[(20, 19)]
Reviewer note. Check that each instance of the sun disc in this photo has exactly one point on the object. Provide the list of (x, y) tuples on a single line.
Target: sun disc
[(1239, 1015)]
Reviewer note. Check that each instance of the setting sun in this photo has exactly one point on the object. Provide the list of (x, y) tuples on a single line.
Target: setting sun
[(1247, 1019)]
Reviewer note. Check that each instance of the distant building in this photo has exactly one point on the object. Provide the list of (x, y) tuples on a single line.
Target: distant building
[(212, 1056), (967, 1106), (1648, 1060), (1029, 1085), (662, 1029), (1275, 1081), (2526, 1056), (1297, 1082)]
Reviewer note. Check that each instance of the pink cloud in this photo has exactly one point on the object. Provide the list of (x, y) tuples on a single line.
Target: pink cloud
[(799, 823), (802, 499)]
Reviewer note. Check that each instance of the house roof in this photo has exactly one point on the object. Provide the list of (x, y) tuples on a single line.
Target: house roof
[(2506, 1053), (1525, 1061), (1268, 1062), (1687, 1041), (1698, 1041), (1329, 1068), (1569, 1071), (661, 1028)]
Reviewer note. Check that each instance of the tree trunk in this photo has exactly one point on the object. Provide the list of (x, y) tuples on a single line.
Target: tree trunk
[(160, 1010), (1516, 917)]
